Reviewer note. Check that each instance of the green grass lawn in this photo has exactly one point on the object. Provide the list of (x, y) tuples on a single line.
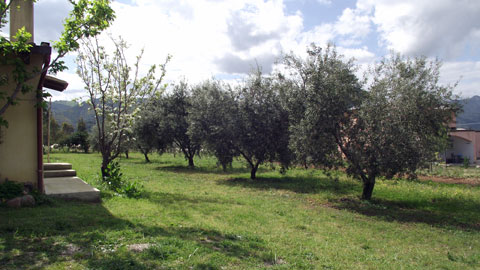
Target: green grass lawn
[(204, 218)]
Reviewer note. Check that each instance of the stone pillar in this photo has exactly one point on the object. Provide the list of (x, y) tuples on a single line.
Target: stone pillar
[(21, 15)]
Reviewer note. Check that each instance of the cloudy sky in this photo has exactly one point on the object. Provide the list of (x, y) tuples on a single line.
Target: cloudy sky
[(225, 39)]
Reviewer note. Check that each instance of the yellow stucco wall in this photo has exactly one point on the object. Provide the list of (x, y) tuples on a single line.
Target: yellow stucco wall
[(18, 150)]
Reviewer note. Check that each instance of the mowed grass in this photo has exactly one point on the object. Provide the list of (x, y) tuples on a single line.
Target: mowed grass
[(204, 218)]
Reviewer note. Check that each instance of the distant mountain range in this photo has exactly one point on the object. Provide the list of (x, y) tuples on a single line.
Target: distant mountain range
[(71, 111), (470, 117)]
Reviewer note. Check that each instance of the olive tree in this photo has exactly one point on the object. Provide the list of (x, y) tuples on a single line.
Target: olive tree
[(173, 112), (401, 123), (261, 129), (322, 92), (147, 132), (213, 119), (249, 121), (390, 129)]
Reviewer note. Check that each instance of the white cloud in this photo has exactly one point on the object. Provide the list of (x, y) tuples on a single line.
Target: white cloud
[(361, 55), (199, 34), (48, 25), (226, 38), (50, 13), (350, 29), (74, 90), (447, 29), (347, 32), (320, 35), (433, 28), (325, 2), (353, 22), (466, 73)]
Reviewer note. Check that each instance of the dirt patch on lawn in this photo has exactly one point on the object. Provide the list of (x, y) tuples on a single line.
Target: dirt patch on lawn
[(138, 247), (451, 180)]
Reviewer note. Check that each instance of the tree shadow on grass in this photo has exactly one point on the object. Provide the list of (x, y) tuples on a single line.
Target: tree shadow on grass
[(442, 212), (206, 170), (30, 236), (439, 212), (304, 185), (152, 161), (185, 169), (90, 235), (181, 243), (165, 199), (230, 244)]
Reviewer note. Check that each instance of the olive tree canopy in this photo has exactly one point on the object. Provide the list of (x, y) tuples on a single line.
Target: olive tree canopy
[(401, 123), (394, 126)]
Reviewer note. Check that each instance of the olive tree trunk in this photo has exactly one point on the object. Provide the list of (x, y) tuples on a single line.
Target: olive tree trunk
[(190, 162), (146, 157), (368, 188), (253, 172)]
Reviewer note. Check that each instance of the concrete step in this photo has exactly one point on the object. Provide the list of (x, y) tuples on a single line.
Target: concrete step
[(57, 166), (59, 173), (71, 188)]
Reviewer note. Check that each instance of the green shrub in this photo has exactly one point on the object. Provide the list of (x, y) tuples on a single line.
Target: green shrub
[(132, 189), (42, 199), (466, 162), (10, 190), (113, 181)]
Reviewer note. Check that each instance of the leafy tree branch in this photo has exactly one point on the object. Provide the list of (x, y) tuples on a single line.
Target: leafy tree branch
[(88, 18)]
